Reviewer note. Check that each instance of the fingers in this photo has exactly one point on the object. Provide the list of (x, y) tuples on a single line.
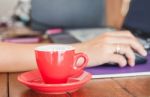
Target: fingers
[(128, 45), (128, 54), (133, 43), (122, 54), (119, 59)]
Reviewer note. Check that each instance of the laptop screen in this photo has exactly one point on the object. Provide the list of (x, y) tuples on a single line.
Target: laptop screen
[(66, 14), (138, 17)]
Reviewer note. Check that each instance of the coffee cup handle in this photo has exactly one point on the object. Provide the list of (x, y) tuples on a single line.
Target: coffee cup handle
[(79, 67)]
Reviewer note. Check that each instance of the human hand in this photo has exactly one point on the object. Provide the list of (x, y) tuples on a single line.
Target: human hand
[(117, 47)]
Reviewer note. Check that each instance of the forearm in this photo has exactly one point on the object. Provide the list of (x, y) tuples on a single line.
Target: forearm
[(21, 57), (17, 57)]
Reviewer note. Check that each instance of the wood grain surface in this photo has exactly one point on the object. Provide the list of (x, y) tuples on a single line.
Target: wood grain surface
[(110, 87), (3, 85), (137, 86)]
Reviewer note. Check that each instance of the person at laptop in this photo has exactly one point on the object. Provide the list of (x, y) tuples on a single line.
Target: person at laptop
[(106, 48)]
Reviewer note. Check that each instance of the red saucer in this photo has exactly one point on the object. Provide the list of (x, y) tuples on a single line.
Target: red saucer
[(33, 80)]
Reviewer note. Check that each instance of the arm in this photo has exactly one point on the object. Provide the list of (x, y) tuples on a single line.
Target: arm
[(20, 57), (17, 57)]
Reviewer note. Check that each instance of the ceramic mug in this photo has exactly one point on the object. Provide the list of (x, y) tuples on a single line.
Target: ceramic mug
[(57, 63)]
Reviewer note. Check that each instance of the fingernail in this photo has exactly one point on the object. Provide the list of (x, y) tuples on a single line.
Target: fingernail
[(145, 53), (123, 65), (132, 64)]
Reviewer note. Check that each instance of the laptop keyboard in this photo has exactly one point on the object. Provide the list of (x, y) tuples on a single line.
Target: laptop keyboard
[(87, 34)]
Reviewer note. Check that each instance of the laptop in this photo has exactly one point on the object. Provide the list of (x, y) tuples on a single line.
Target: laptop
[(137, 20), (67, 15)]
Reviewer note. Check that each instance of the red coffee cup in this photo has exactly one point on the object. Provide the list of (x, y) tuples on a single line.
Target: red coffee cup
[(57, 63)]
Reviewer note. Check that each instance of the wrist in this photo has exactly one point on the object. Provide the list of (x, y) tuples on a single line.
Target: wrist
[(79, 47)]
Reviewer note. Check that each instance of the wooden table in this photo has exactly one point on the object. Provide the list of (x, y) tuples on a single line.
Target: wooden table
[(112, 87)]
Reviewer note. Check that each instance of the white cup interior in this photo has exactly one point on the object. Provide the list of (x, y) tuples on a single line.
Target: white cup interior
[(54, 47)]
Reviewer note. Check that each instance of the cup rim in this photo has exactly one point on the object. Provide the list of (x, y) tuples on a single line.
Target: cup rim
[(45, 48)]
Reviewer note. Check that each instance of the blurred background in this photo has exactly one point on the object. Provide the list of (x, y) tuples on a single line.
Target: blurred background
[(113, 10), (30, 21)]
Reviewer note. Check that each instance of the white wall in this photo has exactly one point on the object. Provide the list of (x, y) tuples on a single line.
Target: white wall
[(7, 6)]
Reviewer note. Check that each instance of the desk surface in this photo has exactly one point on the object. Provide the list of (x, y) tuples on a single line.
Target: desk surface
[(3, 85), (111, 87)]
